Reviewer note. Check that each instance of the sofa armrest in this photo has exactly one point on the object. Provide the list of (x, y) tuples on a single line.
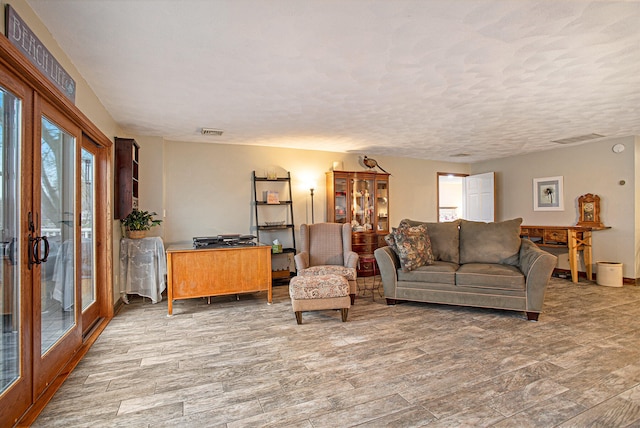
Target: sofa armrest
[(537, 266), (302, 260), (388, 264), (351, 259)]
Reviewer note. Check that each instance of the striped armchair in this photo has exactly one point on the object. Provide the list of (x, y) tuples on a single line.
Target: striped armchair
[(326, 249)]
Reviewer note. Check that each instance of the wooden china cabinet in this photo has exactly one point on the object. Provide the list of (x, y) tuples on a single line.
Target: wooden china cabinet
[(360, 198)]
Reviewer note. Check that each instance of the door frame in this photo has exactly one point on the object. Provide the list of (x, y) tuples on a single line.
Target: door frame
[(467, 211), (448, 174)]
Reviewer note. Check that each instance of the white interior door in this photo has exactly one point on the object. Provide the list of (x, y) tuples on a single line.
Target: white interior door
[(480, 197)]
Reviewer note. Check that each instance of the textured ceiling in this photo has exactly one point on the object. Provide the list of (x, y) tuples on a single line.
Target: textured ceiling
[(425, 79)]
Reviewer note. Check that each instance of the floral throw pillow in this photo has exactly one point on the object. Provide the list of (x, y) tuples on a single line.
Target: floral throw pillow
[(391, 241), (390, 238), (413, 246)]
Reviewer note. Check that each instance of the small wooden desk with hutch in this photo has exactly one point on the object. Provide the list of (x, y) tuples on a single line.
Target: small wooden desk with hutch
[(575, 238), (360, 198)]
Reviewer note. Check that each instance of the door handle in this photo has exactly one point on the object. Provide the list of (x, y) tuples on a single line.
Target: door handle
[(34, 244), (32, 248), (46, 249), (12, 251)]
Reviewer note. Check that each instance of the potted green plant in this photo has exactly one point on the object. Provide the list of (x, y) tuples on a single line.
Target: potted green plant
[(138, 222)]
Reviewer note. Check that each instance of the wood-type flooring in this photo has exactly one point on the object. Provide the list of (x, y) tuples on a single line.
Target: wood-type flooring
[(244, 363)]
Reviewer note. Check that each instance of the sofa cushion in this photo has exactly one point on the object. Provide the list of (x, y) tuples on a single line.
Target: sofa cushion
[(439, 272), (445, 242), (490, 275), (490, 242), (413, 246)]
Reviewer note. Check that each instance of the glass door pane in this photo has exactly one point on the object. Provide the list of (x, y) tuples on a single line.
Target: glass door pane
[(382, 205), (10, 346), (362, 205), (58, 225), (341, 200), (88, 229)]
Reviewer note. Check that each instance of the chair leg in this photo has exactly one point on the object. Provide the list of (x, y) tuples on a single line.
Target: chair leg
[(299, 317), (344, 312), (353, 298)]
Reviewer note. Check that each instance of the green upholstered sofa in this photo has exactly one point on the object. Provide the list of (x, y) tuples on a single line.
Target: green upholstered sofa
[(475, 264)]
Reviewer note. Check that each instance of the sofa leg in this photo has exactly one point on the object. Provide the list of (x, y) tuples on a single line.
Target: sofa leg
[(532, 316), (353, 298), (391, 301), (299, 317), (344, 312)]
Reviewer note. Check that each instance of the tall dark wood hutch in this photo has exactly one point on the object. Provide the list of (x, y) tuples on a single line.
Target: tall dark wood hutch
[(360, 198)]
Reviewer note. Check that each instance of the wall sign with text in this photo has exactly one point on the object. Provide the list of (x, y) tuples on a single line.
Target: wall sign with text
[(21, 36)]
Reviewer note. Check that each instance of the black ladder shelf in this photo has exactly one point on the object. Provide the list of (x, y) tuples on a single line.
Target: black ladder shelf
[(283, 228)]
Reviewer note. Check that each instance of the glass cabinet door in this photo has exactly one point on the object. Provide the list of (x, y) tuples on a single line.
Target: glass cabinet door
[(340, 198), (362, 204), (382, 205)]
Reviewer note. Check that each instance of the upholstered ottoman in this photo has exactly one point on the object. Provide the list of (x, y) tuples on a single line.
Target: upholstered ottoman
[(349, 273), (318, 292)]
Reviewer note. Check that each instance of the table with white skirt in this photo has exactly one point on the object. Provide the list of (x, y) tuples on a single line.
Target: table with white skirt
[(143, 267)]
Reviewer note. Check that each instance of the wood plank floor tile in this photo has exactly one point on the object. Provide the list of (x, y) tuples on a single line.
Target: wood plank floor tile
[(362, 412), (239, 362), (615, 412)]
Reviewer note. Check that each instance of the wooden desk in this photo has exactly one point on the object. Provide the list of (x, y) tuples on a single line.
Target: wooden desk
[(206, 272), (575, 238)]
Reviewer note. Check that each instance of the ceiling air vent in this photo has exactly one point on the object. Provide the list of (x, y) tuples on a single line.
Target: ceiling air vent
[(212, 131), (578, 139), (460, 155)]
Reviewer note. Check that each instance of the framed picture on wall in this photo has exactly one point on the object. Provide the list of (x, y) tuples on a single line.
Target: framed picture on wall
[(548, 194)]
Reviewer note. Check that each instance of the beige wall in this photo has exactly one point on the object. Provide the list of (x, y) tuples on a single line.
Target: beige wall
[(151, 175), (206, 189), (209, 190), (586, 168)]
